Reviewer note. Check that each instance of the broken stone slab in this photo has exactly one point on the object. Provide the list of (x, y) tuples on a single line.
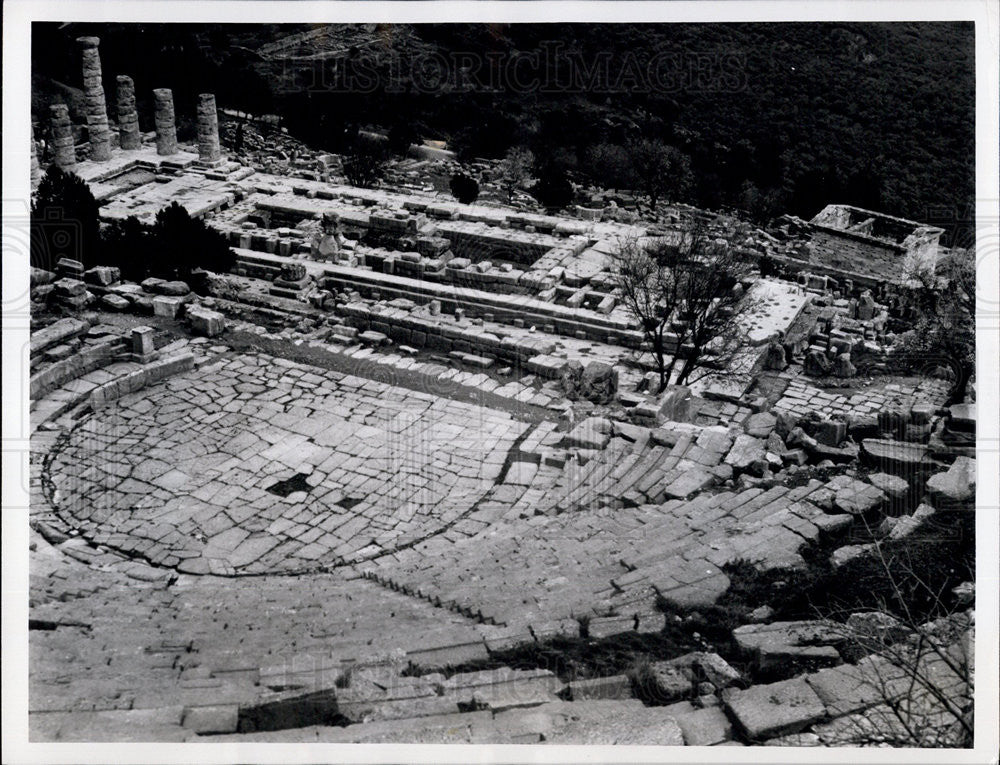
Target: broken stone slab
[(850, 553), (621, 724), (892, 485), (115, 303), (955, 486), (167, 307), (839, 455), (707, 667), (57, 333), (962, 417), (592, 433), (174, 288), (206, 322), (747, 455), (830, 432), (805, 644), (858, 498), (612, 687), (760, 425), (908, 524), (878, 626), (103, 276), (39, 276), (705, 727), (897, 457), (67, 287), (669, 681), (776, 709), (371, 337)]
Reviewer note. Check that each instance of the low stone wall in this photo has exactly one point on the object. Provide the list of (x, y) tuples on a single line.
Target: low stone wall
[(59, 332), (849, 252), (418, 332), (87, 360), (148, 375)]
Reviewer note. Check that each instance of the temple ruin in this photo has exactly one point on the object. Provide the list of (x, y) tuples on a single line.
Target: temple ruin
[(350, 490)]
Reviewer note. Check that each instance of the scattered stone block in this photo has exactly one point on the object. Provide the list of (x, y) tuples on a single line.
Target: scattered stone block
[(804, 644), (878, 626), (760, 425), (705, 727), (776, 709), (167, 307), (747, 455), (206, 322), (955, 486), (174, 288), (102, 275), (115, 303), (893, 486), (66, 287), (830, 432)]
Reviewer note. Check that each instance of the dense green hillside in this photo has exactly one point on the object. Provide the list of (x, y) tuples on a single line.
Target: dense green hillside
[(782, 117)]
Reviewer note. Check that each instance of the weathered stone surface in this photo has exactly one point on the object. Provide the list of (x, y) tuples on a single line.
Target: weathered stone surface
[(878, 626), (671, 681), (62, 136), (831, 432), (628, 725), (129, 137), (211, 719), (895, 456), (592, 433), (102, 275), (115, 302), (956, 485), (855, 497), (167, 307), (893, 486), (166, 128), (784, 644), (99, 135), (174, 288), (705, 727), (206, 322), (612, 687), (760, 425), (69, 288), (208, 129), (748, 455), (849, 553), (766, 711), (599, 382)]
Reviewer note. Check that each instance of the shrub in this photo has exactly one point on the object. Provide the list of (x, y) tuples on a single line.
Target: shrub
[(464, 188), (64, 221)]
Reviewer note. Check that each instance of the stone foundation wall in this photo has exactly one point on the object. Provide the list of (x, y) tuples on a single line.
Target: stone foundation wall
[(148, 375), (840, 250), (421, 333), (78, 365)]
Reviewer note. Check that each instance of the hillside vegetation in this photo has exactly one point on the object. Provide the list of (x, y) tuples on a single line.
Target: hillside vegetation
[(774, 117)]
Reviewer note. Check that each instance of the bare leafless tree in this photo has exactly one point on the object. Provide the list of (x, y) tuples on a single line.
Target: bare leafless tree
[(685, 291), (917, 674)]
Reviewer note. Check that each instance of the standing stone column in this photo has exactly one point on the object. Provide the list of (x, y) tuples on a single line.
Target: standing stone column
[(208, 129), (128, 119), (166, 130), (97, 110), (36, 170), (63, 145)]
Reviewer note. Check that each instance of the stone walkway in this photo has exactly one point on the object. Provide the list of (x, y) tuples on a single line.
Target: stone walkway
[(800, 397)]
